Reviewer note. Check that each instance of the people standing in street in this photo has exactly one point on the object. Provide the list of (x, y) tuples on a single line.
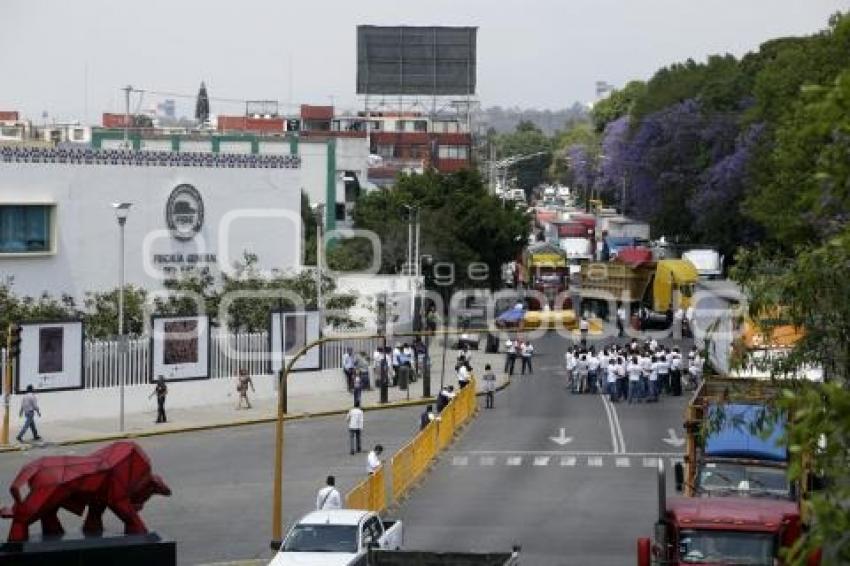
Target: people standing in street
[(581, 372), (676, 373), (373, 459), (29, 409), (443, 398), (526, 352), (426, 417), (510, 356), (348, 368), (161, 392), (243, 382), (354, 419), (396, 361), (621, 320), (634, 371), (663, 371), (584, 330), (592, 371), (622, 379), (328, 497), (489, 386)]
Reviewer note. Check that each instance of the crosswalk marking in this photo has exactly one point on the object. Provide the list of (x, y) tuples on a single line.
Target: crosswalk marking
[(488, 460), (622, 462), (460, 461), (594, 462), (541, 461), (515, 461), (568, 461), (650, 462)]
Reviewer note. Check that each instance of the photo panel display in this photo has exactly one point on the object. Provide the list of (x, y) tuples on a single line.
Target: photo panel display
[(299, 329), (51, 356), (180, 348)]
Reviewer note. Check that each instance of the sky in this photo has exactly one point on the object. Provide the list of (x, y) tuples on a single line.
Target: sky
[(71, 58)]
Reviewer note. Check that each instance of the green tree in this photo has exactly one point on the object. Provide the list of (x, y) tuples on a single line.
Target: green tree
[(101, 312), (617, 104)]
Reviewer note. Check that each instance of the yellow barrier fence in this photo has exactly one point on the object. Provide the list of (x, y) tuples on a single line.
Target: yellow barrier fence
[(369, 494), (412, 459)]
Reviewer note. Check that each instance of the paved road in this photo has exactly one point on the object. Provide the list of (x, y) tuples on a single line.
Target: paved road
[(507, 482), (222, 485)]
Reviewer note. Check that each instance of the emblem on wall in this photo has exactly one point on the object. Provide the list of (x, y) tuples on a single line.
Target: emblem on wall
[(184, 212)]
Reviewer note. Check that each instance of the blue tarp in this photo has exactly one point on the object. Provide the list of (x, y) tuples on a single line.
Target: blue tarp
[(617, 242), (740, 434), (511, 316)]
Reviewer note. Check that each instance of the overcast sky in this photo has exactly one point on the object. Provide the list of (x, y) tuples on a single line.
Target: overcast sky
[(70, 58)]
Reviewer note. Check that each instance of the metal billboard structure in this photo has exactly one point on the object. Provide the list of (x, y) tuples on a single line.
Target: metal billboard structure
[(416, 61)]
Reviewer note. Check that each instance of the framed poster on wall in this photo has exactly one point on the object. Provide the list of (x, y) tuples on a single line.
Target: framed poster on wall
[(51, 356), (299, 329), (180, 347)]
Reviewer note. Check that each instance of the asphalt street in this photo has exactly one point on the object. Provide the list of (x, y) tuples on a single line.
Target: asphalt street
[(581, 496), (222, 479)]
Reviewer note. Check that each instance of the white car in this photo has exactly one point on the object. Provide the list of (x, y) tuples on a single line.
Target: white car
[(339, 537)]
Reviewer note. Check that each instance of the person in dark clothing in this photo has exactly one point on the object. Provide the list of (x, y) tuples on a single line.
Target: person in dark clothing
[(426, 417), (161, 392)]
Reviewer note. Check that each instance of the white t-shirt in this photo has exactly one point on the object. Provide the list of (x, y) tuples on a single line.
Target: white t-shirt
[(328, 498), (592, 363), (612, 373), (354, 418), (634, 371), (603, 362), (510, 347), (653, 375), (663, 366), (645, 365), (584, 326), (675, 361), (527, 350), (372, 462), (462, 374)]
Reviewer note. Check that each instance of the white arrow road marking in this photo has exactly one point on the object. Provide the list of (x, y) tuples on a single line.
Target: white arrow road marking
[(673, 439), (562, 438)]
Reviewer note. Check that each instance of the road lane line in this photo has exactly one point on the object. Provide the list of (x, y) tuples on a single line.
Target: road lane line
[(622, 462), (488, 461), (569, 461), (610, 423), (619, 429), (651, 462), (514, 461), (541, 461), (460, 461), (594, 462)]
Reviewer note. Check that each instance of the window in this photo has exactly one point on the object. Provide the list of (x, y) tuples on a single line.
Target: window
[(79, 134), (400, 125), (420, 126), (453, 152), (385, 150), (25, 228), (372, 531)]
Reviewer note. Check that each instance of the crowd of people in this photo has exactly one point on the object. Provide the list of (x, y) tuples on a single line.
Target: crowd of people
[(635, 372)]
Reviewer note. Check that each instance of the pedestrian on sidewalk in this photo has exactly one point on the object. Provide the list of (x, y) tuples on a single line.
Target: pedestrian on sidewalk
[(242, 383), (161, 392), (510, 356), (348, 368), (373, 460), (361, 376), (526, 351), (426, 417), (328, 497), (354, 419), (489, 386), (29, 408)]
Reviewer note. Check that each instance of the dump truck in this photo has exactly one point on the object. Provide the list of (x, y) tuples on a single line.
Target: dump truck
[(658, 286), (720, 530), (733, 443)]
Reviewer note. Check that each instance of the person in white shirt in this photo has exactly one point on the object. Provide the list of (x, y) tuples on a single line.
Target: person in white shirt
[(621, 321), (645, 369), (584, 329), (653, 379), (463, 372), (354, 419), (676, 372), (328, 497), (663, 371), (612, 379), (510, 356), (633, 369), (526, 350), (592, 371), (29, 408), (622, 379), (373, 460), (689, 320)]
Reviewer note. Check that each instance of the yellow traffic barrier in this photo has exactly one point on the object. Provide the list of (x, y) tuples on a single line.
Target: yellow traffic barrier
[(403, 468), (426, 449), (369, 494), (446, 430)]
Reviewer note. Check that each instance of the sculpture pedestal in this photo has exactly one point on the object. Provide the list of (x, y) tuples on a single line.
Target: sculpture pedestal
[(77, 550)]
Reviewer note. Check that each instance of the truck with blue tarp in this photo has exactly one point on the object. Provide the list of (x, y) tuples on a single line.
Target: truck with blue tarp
[(735, 442)]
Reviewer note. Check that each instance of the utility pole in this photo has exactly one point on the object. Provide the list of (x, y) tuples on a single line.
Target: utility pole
[(127, 90), (12, 335)]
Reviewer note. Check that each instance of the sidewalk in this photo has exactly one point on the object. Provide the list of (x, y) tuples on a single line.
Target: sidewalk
[(301, 404)]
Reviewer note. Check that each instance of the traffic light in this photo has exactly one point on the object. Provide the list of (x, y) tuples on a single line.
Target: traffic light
[(14, 341)]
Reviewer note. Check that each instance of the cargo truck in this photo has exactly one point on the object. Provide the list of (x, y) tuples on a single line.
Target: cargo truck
[(720, 531)]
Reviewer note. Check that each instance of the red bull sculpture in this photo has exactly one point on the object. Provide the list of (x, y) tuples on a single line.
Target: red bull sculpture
[(117, 477)]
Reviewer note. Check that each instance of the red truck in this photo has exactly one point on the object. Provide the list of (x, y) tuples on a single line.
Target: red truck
[(714, 531)]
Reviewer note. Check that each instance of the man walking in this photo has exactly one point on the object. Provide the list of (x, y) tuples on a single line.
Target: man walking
[(621, 320), (354, 418), (373, 460), (243, 382), (29, 408), (161, 392), (527, 350), (328, 497), (584, 329), (489, 386)]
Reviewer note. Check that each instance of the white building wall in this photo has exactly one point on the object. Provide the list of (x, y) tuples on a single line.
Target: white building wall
[(314, 155), (245, 209)]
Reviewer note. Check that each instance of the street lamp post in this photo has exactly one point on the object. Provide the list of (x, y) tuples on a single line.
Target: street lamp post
[(318, 210), (122, 209)]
